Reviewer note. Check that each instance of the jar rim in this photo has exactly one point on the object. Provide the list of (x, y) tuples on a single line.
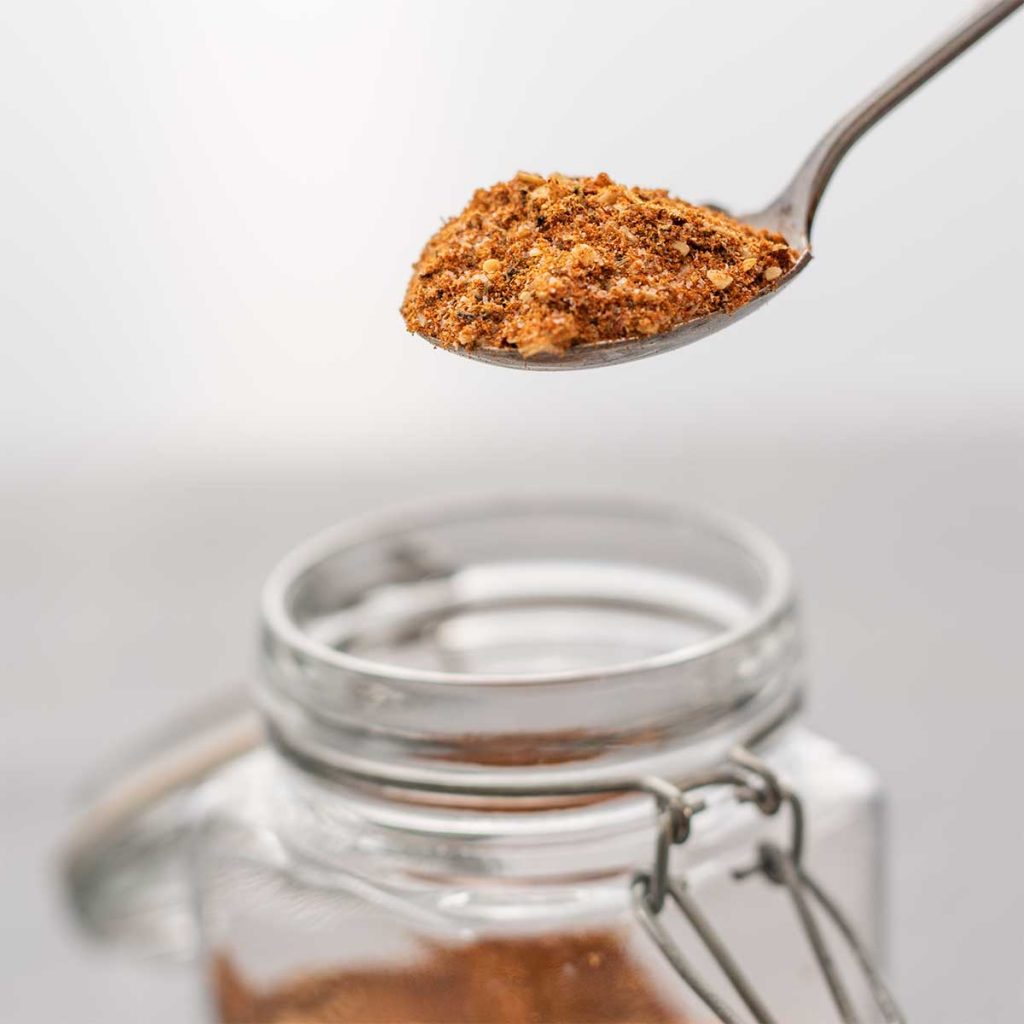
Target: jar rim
[(777, 598)]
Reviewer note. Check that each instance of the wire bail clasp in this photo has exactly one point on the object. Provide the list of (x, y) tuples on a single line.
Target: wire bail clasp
[(755, 783)]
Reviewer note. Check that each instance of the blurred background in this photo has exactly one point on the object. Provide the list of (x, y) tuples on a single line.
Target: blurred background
[(208, 215)]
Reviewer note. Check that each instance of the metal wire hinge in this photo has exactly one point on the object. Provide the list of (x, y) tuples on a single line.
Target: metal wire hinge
[(755, 783)]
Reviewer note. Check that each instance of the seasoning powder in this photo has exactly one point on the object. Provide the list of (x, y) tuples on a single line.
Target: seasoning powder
[(543, 264), (585, 978)]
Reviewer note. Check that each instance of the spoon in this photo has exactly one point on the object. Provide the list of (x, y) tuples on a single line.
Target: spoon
[(791, 214)]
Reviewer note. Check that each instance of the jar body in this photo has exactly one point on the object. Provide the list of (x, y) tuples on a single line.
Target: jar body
[(317, 904), (499, 734)]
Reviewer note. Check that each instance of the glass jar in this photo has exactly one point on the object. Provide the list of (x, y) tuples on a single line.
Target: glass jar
[(495, 733)]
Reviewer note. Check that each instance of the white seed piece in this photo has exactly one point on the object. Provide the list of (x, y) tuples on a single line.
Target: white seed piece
[(772, 273), (749, 263), (585, 255), (491, 266), (530, 178), (681, 247), (535, 346), (719, 279), (540, 193)]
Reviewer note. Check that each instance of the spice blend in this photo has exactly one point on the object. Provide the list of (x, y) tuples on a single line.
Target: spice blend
[(543, 264), (585, 978)]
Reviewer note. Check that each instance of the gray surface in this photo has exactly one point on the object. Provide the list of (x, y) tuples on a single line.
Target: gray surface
[(134, 593)]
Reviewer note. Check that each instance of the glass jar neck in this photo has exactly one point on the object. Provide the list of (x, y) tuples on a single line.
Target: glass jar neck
[(500, 645)]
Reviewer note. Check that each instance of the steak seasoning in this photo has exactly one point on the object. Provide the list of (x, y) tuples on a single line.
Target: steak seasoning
[(584, 978), (542, 264)]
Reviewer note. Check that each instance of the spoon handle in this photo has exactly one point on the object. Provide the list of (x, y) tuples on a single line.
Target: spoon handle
[(797, 205)]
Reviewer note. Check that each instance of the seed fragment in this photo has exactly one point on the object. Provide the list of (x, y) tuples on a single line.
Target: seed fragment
[(681, 247), (491, 266), (585, 255), (719, 279), (772, 273), (749, 263)]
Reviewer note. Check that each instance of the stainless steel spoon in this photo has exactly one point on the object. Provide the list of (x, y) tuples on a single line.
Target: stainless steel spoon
[(791, 214)]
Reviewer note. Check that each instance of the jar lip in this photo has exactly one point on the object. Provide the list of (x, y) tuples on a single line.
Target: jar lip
[(777, 599)]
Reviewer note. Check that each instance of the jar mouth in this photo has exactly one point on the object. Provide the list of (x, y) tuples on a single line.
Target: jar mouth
[(294, 593), (505, 635)]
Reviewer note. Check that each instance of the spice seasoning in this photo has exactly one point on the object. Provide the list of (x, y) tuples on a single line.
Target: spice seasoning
[(543, 264), (582, 978)]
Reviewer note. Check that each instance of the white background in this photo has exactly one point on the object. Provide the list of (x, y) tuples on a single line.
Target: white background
[(208, 215)]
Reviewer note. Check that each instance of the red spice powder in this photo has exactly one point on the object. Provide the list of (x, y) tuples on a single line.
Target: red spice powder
[(543, 264), (584, 978)]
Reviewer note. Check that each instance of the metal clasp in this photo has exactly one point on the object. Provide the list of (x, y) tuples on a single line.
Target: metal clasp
[(755, 783)]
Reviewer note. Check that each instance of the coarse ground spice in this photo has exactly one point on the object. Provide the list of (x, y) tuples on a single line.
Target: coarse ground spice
[(584, 978), (543, 264)]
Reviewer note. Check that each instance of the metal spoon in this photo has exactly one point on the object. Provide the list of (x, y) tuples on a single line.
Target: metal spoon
[(791, 214)]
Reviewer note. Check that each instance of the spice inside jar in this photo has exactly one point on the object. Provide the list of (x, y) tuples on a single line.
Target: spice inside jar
[(543, 264), (585, 978)]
